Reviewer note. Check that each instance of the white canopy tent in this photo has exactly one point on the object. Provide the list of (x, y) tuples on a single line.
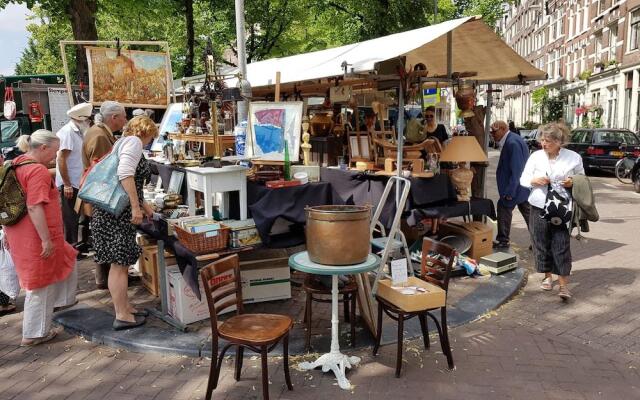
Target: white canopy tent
[(475, 50)]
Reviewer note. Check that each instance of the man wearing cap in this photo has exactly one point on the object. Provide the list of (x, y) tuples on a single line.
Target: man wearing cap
[(69, 165), (98, 142)]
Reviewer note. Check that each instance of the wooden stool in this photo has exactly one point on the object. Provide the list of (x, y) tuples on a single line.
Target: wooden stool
[(312, 286)]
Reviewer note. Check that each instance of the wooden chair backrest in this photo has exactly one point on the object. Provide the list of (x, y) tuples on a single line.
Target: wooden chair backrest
[(222, 287), (437, 261)]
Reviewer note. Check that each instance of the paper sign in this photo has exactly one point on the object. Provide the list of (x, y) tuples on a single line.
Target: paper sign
[(399, 271)]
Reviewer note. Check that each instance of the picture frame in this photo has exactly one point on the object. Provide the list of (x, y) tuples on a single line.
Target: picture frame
[(270, 124), (362, 151), (137, 79), (175, 183)]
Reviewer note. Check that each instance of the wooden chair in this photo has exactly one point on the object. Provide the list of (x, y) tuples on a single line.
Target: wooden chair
[(257, 332), (314, 288), (437, 260)]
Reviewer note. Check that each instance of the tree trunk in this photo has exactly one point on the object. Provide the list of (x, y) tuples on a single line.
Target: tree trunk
[(188, 62), (83, 24)]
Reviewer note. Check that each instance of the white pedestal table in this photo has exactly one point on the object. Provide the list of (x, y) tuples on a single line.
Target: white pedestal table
[(334, 360)]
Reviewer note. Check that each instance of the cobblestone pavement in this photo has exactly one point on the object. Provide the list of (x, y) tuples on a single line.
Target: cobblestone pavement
[(534, 347)]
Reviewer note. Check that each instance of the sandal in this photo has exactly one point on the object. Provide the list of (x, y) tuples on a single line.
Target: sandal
[(565, 294), (547, 284), (37, 341)]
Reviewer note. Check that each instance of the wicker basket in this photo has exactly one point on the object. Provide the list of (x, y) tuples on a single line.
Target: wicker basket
[(198, 243)]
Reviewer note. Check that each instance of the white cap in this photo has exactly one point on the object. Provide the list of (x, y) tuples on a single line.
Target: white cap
[(80, 111), (137, 112)]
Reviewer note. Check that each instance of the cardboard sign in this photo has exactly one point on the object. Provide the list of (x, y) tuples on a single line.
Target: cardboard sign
[(399, 273)]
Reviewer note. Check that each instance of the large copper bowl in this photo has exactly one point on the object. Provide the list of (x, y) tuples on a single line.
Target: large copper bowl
[(338, 235)]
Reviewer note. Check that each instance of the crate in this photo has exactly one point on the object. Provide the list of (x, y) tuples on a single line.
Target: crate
[(148, 264), (202, 243), (479, 233)]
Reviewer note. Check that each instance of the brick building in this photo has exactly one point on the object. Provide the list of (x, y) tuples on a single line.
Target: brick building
[(590, 50)]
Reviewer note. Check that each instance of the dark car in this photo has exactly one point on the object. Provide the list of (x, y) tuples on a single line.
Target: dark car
[(532, 139), (601, 148)]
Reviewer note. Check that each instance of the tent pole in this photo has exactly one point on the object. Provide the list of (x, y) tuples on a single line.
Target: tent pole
[(449, 54), (242, 56), (400, 136), (487, 126)]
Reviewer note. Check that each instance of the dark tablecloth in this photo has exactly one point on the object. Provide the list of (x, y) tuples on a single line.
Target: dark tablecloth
[(267, 205), (352, 187)]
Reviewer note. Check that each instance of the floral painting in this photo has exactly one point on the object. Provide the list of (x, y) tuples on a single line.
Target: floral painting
[(133, 78)]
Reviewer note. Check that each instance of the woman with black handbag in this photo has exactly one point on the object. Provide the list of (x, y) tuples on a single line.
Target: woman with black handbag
[(548, 173)]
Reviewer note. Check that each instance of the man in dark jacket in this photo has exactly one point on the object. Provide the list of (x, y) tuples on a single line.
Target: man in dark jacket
[(513, 157)]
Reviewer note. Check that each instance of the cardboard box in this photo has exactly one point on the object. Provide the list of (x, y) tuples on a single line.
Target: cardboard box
[(148, 264), (183, 303), (479, 233), (433, 297), (265, 280)]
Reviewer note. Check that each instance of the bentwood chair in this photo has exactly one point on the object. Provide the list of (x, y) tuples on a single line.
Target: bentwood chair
[(257, 332), (437, 260), (315, 291)]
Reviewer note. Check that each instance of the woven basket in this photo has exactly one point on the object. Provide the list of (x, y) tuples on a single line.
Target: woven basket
[(198, 243)]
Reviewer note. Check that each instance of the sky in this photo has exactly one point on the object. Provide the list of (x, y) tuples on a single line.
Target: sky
[(14, 36)]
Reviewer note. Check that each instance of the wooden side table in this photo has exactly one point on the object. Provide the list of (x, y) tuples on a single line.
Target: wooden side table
[(209, 180), (334, 360)]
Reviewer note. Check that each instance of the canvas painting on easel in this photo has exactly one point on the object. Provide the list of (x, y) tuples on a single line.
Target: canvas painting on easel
[(270, 125)]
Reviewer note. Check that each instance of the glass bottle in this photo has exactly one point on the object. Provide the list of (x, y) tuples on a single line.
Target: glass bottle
[(287, 162)]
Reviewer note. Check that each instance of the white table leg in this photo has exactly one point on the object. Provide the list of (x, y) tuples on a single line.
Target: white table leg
[(191, 201), (224, 205), (243, 197), (334, 360), (208, 199)]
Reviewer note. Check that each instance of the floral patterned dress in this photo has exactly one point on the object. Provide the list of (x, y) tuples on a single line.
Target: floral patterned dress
[(114, 238)]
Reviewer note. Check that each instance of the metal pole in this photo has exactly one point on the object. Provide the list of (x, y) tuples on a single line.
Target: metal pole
[(487, 126), (242, 56), (400, 125)]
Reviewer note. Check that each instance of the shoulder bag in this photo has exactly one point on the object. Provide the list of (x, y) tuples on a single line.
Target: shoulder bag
[(102, 188)]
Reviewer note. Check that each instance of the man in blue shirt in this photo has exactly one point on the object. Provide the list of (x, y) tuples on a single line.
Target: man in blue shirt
[(514, 153)]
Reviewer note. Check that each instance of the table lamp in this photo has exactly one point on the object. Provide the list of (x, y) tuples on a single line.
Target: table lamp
[(460, 150)]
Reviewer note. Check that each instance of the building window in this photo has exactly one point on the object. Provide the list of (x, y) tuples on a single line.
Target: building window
[(634, 39), (613, 39)]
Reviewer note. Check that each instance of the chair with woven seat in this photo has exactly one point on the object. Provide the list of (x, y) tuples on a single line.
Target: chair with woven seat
[(313, 288), (437, 261), (257, 332)]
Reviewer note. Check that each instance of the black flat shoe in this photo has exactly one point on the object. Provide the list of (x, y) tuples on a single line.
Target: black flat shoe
[(141, 313), (119, 325)]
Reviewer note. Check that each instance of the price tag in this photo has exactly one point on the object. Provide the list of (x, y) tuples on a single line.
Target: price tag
[(399, 273)]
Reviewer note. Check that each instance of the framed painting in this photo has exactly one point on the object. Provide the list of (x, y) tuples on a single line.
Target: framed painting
[(134, 78), (270, 125)]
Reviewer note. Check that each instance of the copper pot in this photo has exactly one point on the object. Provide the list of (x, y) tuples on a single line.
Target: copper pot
[(465, 98), (338, 235)]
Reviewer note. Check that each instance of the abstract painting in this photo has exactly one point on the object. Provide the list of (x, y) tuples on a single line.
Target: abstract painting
[(133, 78), (270, 126)]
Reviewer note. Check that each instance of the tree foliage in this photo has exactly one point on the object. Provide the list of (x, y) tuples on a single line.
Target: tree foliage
[(274, 28)]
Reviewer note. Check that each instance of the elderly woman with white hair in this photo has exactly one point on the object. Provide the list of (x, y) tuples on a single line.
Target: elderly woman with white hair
[(98, 142), (44, 261)]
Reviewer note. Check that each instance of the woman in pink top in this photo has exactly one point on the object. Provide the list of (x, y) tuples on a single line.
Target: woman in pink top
[(45, 263)]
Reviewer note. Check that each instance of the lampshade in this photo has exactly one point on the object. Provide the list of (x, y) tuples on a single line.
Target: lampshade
[(463, 149)]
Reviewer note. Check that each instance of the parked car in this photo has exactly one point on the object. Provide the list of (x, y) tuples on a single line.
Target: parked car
[(601, 148), (531, 138)]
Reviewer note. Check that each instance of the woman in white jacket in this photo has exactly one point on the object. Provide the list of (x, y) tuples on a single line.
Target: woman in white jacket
[(552, 165)]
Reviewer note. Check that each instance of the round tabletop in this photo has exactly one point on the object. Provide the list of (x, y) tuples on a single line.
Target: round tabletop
[(301, 262)]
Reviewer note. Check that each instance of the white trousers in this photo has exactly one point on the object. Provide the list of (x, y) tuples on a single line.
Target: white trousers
[(39, 304)]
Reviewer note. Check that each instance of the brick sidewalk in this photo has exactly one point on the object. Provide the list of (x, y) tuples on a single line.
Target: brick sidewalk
[(534, 347)]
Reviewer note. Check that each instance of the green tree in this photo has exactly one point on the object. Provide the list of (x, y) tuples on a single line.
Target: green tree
[(79, 13)]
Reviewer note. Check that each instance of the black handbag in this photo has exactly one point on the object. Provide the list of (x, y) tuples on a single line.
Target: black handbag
[(557, 209)]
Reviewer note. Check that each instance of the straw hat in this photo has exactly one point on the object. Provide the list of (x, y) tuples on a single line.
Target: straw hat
[(80, 111)]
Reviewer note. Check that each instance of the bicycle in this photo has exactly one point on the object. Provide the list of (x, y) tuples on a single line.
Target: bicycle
[(623, 169)]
